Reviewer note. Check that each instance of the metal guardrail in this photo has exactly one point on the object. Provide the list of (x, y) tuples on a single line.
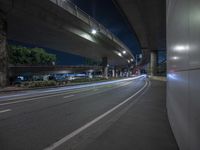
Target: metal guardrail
[(73, 9)]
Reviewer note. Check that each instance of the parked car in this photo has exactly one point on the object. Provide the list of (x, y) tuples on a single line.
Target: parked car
[(18, 81)]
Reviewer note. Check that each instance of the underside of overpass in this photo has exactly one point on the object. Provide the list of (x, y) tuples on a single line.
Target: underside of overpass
[(61, 26), (148, 20)]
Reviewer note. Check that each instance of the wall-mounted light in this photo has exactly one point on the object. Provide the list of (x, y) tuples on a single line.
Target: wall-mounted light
[(131, 59), (175, 58), (181, 48)]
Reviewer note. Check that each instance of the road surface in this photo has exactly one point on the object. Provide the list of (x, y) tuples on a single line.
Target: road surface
[(77, 119)]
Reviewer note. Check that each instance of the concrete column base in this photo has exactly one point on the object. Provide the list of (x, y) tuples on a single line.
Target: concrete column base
[(105, 72), (153, 63), (120, 74), (105, 67), (113, 73), (3, 53)]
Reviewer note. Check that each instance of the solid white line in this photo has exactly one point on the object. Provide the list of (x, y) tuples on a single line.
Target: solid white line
[(68, 96), (36, 98), (3, 111), (76, 132), (18, 96), (27, 100)]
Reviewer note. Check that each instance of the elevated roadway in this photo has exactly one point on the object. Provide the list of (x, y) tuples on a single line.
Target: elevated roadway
[(148, 21), (59, 25)]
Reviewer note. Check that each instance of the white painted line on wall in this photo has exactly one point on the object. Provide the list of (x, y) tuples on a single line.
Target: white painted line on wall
[(68, 96), (6, 110), (77, 131)]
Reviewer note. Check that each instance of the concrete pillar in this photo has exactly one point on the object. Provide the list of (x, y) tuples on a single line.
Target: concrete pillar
[(3, 52), (120, 73), (105, 72), (148, 68), (153, 63), (113, 72), (116, 73), (90, 75), (128, 72), (105, 67)]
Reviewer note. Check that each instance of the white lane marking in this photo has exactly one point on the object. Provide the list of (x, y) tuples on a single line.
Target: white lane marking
[(44, 96), (70, 88), (27, 100), (77, 131), (47, 96), (36, 98), (3, 111), (68, 96)]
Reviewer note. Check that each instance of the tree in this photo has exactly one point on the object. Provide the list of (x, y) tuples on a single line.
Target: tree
[(33, 56)]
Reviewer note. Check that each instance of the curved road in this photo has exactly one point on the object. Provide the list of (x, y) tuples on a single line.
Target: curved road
[(66, 120)]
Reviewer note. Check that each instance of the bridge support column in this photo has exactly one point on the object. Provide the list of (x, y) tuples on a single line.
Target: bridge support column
[(116, 73), (105, 67), (113, 72), (120, 73), (105, 70), (3, 52), (153, 63), (128, 72)]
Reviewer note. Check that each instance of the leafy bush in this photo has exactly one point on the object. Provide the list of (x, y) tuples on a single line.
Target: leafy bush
[(33, 84), (31, 56)]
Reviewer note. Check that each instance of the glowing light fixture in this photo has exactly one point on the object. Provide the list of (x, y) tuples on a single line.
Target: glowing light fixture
[(180, 48), (119, 54), (131, 59), (124, 52), (175, 58), (94, 31)]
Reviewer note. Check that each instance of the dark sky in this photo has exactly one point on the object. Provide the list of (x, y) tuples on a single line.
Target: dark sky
[(106, 13)]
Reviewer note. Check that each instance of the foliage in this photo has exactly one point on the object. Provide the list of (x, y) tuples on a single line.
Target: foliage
[(88, 80), (30, 56), (33, 84)]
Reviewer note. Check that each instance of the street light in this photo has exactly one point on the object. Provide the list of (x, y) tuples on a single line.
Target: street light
[(94, 31), (119, 54), (124, 52), (140, 56)]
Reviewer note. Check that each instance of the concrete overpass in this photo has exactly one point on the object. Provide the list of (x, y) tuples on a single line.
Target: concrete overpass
[(148, 21), (59, 25)]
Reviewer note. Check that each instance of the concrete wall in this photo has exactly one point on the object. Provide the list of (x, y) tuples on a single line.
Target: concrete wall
[(3, 52), (183, 89)]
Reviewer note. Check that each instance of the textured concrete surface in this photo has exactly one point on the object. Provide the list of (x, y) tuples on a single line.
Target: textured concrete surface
[(3, 52), (141, 123), (144, 126), (183, 88)]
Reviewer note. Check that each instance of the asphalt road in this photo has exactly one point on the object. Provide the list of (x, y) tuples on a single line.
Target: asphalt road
[(66, 120)]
